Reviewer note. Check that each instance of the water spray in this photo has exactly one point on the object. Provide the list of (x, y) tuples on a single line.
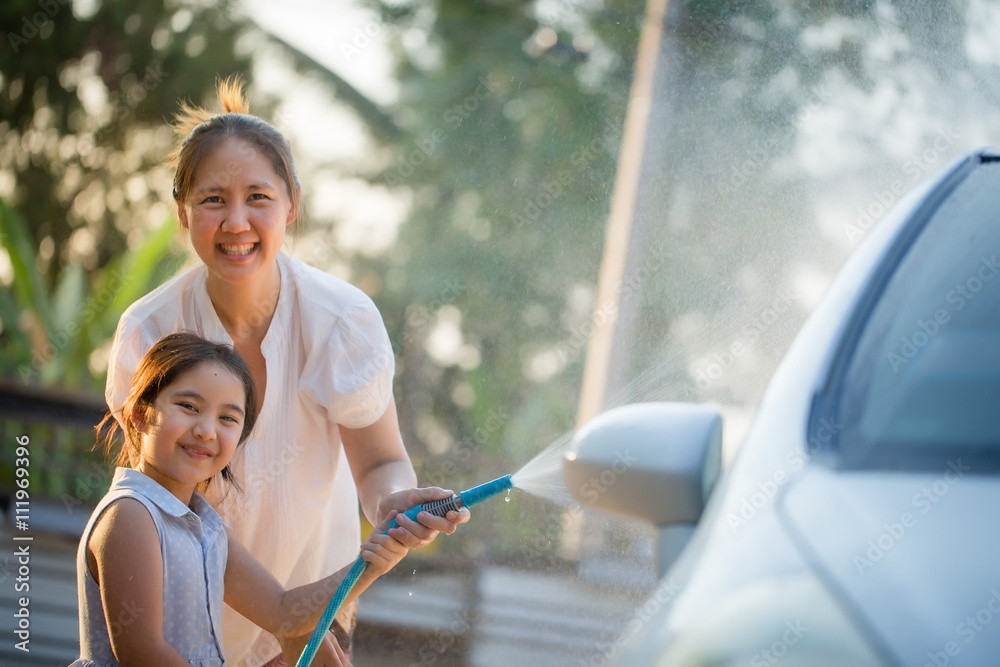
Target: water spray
[(441, 507)]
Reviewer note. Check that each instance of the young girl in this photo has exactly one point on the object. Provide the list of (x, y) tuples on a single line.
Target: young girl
[(156, 562), (327, 434)]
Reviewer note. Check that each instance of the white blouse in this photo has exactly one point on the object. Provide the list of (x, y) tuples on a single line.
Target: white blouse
[(329, 362)]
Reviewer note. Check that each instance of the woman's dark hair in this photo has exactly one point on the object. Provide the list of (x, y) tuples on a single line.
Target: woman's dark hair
[(199, 132), (172, 356)]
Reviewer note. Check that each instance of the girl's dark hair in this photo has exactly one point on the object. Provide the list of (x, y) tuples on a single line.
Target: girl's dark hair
[(172, 356), (199, 131)]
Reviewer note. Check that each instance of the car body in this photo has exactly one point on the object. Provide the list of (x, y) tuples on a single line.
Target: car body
[(857, 525)]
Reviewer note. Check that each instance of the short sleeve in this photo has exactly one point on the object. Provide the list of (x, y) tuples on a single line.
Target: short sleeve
[(126, 351), (352, 375)]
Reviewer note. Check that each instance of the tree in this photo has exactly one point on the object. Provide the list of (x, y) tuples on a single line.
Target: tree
[(511, 121), (83, 103)]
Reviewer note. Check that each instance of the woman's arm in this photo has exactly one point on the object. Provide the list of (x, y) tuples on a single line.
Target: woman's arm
[(123, 554), (254, 592), (386, 480)]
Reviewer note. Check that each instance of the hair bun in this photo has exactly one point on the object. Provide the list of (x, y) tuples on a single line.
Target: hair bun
[(231, 96), (197, 131), (232, 99)]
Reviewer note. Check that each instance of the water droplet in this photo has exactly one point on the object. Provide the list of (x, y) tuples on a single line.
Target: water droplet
[(507, 499), (411, 594)]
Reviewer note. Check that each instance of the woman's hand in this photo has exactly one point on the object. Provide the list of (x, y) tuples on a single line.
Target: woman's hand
[(420, 533), (380, 466)]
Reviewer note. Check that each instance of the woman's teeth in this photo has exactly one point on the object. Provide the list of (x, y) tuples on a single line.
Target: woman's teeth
[(237, 248)]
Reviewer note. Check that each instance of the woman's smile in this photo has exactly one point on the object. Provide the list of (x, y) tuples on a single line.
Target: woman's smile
[(236, 214), (237, 249)]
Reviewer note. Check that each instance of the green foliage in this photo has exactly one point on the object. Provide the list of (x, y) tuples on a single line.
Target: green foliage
[(509, 145), (507, 140), (83, 99), (50, 334), (83, 102)]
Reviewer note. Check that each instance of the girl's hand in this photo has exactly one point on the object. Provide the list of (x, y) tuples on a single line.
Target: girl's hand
[(420, 533), (383, 552), (329, 654)]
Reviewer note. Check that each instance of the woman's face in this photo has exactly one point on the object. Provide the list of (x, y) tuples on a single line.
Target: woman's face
[(236, 212)]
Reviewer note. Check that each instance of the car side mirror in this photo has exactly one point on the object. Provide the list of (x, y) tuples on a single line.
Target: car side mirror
[(652, 461)]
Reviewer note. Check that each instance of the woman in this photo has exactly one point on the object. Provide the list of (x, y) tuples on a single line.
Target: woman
[(327, 432)]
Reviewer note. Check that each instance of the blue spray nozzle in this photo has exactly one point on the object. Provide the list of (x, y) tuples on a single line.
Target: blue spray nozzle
[(478, 494), (473, 496)]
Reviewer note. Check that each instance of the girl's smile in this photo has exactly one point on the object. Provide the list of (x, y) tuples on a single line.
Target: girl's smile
[(191, 432)]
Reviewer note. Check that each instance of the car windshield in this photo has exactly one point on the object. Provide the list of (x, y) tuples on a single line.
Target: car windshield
[(925, 374)]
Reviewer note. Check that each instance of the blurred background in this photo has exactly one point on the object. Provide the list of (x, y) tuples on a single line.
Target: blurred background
[(458, 162)]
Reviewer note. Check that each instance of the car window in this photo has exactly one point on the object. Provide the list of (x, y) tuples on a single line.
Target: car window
[(925, 373)]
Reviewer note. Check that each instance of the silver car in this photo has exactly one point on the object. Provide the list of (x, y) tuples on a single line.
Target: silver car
[(859, 524)]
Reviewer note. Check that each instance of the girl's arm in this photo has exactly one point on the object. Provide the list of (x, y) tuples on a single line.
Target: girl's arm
[(256, 594), (123, 554), (386, 480)]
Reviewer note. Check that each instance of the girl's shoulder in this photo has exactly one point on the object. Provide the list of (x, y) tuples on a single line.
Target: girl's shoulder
[(127, 517), (149, 502), (126, 504), (121, 526)]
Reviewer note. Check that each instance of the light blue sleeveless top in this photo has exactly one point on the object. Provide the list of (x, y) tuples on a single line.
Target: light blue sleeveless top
[(194, 546)]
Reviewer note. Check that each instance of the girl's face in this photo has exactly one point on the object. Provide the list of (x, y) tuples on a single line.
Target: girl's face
[(192, 430), (236, 212)]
